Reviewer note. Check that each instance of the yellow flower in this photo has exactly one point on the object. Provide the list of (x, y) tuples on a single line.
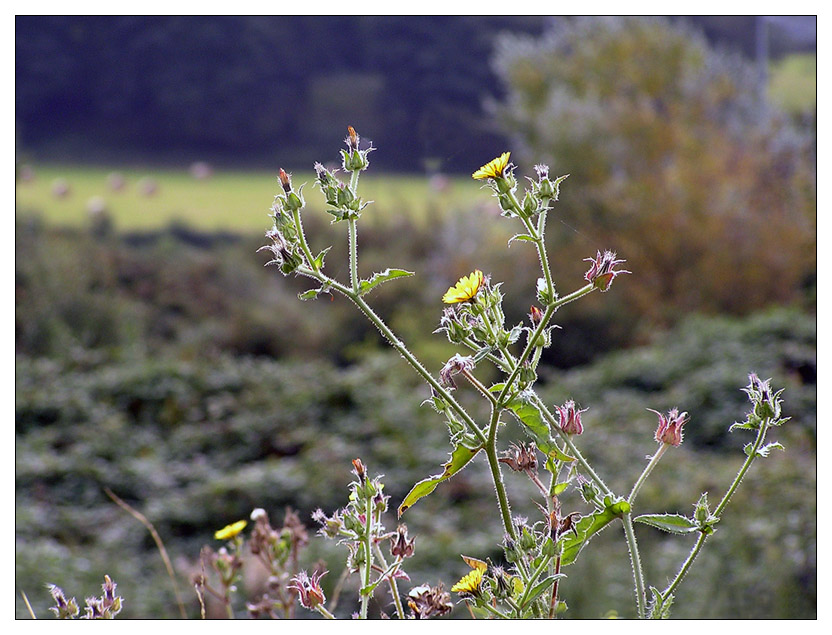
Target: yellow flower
[(465, 289), (229, 531), (470, 583), (493, 169)]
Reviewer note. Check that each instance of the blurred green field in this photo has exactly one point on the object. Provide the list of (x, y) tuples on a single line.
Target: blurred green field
[(230, 200), (793, 83)]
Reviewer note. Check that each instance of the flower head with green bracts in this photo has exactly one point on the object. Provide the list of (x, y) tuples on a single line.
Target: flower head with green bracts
[(470, 583), (230, 531), (465, 289), (493, 169)]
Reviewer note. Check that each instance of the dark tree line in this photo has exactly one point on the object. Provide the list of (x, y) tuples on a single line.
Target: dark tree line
[(263, 89)]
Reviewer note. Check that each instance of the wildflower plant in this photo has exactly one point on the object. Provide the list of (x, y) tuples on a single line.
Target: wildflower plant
[(575, 502)]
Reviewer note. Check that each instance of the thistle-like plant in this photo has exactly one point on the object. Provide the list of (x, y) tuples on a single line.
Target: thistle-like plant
[(575, 503)]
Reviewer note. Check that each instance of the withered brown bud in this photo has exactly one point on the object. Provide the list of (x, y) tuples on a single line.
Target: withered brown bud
[(426, 601), (520, 458), (400, 546)]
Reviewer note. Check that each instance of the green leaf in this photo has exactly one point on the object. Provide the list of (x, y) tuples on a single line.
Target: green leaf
[(319, 259), (540, 588), (672, 523), (559, 488), (659, 606), (515, 333), (587, 527), (365, 286), (764, 451), (460, 457), (482, 354), (530, 417), (524, 237)]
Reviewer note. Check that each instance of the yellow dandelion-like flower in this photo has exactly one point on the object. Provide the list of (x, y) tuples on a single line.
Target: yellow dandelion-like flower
[(493, 169), (470, 583), (230, 531), (465, 289)]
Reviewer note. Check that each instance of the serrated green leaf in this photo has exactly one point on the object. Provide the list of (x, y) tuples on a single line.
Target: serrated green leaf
[(515, 334), (540, 588), (672, 523), (319, 259), (764, 451), (587, 527), (460, 457), (309, 295), (524, 237), (365, 286), (482, 354)]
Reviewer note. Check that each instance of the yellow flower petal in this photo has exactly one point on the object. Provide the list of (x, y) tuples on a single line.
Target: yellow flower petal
[(493, 169), (470, 583), (465, 289), (230, 531)]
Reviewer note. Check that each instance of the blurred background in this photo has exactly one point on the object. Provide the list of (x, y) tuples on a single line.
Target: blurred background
[(157, 357)]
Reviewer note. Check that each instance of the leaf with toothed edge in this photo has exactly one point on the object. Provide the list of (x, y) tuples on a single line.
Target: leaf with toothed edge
[(460, 457), (365, 286)]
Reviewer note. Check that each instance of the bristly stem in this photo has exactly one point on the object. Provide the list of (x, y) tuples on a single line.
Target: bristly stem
[(368, 555), (647, 470), (353, 254), (630, 534), (635, 562), (496, 475), (752, 454)]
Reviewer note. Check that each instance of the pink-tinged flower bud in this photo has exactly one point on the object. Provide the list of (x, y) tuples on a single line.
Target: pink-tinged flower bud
[(309, 589), (285, 180), (570, 418), (670, 426), (535, 316), (359, 470), (601, 272)]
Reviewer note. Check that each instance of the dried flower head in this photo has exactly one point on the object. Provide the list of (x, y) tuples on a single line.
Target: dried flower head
[(457, 364), (465, 289), (400, 546), (494, 169), (520, 458), (670, 426), (426, 601), (601, 272)]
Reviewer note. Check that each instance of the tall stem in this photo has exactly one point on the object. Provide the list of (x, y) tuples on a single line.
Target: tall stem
[(653, 462), (353, 255), (496, 475), (752, 454), (368, 555), (635, 561)]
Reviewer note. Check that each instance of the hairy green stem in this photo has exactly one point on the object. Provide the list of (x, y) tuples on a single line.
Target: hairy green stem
[(752, 454), (635, 562), (653, 462), (544, 564), (496, 475), (367, 539), (394, 588), (322, 610), (573, 450), (353, 255)]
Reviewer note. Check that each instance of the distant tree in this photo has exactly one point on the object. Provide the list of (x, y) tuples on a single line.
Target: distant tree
[(708, 193)]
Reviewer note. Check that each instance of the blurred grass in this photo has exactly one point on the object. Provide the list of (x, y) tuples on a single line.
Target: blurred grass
[(793, 82), (228, 200)]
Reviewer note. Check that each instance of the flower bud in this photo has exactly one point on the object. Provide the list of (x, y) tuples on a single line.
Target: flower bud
[(570, 418), (400, 546), (669, 430), (601, 272), (310, 593)]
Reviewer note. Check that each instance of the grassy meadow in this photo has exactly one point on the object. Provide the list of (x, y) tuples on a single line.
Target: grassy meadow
[(227, 200)]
